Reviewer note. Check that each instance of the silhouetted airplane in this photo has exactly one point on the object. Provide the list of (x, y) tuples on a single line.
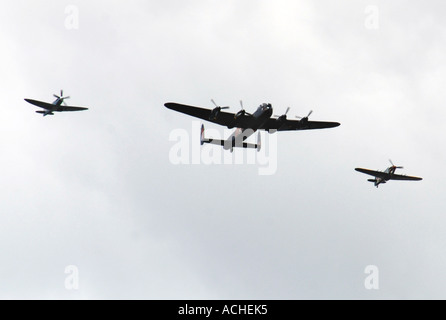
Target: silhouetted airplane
[(55, 106), (386, 175), (247, 123)]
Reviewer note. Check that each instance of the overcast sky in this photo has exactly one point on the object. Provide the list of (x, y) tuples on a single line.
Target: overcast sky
[(97, 190)]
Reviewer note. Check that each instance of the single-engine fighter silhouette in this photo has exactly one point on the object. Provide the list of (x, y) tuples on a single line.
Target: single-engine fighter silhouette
[(58, 105), (386, 175)]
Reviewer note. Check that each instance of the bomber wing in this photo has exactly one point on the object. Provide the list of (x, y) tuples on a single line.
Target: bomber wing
[(289, 125), (223, 118)]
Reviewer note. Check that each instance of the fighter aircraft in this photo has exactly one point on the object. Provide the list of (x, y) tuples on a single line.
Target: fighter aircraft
[(55, 106), (386, 175), (247, 123)]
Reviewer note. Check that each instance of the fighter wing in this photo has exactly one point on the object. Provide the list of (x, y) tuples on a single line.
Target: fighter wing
[(52, 107), (223, 118), (403, 177), (70, 108), (287, 125), (41, 104), (378, 174)]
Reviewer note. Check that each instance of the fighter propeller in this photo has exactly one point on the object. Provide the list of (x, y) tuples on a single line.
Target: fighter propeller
[(396, 167), (61, 97)]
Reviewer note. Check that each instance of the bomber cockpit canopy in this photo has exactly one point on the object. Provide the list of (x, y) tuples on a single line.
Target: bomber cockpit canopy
[(265, 106)]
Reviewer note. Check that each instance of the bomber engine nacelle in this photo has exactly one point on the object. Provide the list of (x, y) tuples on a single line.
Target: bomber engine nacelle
[(242, 112), (215, 112), (239, 114), (304, 120), (281, 120)]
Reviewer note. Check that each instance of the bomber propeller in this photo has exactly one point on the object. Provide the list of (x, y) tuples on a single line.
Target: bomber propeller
[(302, 118), (218, 107), (216, 110), (283, 116), (242, 111)]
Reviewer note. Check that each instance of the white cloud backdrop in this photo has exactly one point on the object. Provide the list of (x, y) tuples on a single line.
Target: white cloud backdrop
[(96, 189)]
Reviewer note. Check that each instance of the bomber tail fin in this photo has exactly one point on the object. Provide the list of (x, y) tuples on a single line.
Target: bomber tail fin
[(202, 139), (259, 142)]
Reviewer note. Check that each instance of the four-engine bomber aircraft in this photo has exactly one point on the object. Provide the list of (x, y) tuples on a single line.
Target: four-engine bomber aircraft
[(388, 174), (247, 123), (55, 106)]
